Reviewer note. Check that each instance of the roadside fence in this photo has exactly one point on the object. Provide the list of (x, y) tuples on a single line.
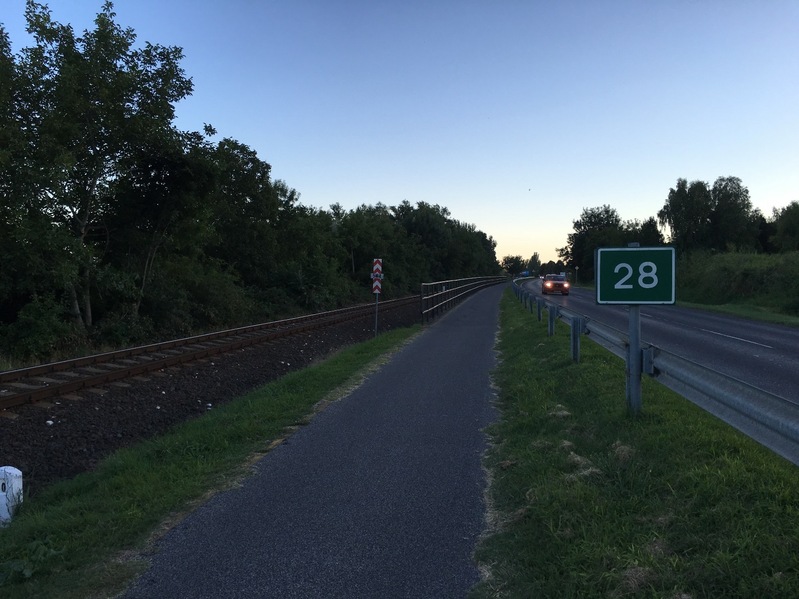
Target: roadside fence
[(440, 296), (769, 419)]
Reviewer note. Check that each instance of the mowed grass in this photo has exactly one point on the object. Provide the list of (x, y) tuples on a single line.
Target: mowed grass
[(587, 501), (79, 538)]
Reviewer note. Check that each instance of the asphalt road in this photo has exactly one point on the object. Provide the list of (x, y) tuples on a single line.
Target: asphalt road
[(761, 354), (381, 495)]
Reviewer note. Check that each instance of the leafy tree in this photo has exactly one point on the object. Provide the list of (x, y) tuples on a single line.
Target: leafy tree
[(513, 264), (450, 249), (646, 233), (429, 226), (720, 218), (245, 210), (311, 267), (786, 222), (596, 227), (161, 204), (687, 212), (37, 257), (10, 134), (89, 102), (552, 267), (470, 252), (766, 228), (370, 232), (732, 223), (534, 264)]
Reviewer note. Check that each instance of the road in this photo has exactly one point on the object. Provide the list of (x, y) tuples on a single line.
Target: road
[(762, 354)]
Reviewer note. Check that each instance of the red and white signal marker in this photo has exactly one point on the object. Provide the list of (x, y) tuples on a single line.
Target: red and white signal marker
[(377, 276)]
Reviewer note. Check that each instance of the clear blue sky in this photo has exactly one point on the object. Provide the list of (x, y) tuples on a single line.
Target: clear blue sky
[(515, 115)]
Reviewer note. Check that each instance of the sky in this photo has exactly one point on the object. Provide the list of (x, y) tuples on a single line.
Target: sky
[(515, 115)]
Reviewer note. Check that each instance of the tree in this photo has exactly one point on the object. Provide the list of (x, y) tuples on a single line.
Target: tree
[(87, 105), (429, 225), (731, 223), (534, 264), (687, 212), (246, 208), (766, 229), (646, 233), (370, 232), (163, 199), (513, 264), (786, 221), (596, 227), (552, 267)]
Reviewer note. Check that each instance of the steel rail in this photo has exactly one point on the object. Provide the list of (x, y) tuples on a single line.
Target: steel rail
[(35, 383)]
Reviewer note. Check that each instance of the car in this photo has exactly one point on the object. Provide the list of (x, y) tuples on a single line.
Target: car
[(555, 283)]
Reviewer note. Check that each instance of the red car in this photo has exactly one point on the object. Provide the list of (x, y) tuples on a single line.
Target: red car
[(555, 283)]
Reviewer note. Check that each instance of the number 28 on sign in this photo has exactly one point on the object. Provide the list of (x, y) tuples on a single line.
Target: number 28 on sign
[(635, 275)]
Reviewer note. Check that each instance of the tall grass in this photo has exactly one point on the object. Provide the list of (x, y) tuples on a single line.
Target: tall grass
[(769, 281), (590, 502)]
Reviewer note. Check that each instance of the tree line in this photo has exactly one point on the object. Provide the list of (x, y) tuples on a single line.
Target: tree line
[(697, 217), (117, 227)]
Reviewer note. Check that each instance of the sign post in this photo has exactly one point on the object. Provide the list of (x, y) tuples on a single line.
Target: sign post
[(377, 284), (634, 276)]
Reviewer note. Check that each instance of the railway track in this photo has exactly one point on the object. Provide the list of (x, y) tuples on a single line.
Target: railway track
[(38, 383)]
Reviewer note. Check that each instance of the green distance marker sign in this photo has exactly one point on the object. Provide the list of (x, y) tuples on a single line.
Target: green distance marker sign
[(635, 275)]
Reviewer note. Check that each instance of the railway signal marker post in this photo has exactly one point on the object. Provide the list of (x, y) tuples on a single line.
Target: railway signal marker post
[(377, 284), (634, 276)]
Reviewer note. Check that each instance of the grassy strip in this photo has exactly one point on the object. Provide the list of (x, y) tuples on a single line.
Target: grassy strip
[(770, 281), (589, 502), (749, 311), (61, 543)]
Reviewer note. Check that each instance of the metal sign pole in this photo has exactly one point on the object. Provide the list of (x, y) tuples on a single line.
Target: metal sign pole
[(634, 362), (634, 276), (377, 284), (377, 301)]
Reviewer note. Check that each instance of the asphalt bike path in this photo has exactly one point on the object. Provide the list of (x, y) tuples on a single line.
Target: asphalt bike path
[(380, 495)]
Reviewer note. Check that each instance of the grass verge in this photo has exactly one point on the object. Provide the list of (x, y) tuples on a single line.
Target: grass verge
[(587, 501), (70, 540), (747, 311)]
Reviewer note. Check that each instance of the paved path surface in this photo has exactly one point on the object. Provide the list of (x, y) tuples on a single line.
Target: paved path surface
[(381, 495)]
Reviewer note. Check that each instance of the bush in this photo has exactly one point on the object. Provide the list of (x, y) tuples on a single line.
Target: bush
[(40, 331), (120, 330), (186, 297), (766, 280)]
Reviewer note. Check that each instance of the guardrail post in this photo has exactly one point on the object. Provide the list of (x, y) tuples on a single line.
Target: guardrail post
[(540, 304), (425, 303), (648, 360), (553, 315), (576, 331)]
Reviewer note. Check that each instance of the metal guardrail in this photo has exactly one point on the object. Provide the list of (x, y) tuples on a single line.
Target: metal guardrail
[(440, 296), (769, 419)]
